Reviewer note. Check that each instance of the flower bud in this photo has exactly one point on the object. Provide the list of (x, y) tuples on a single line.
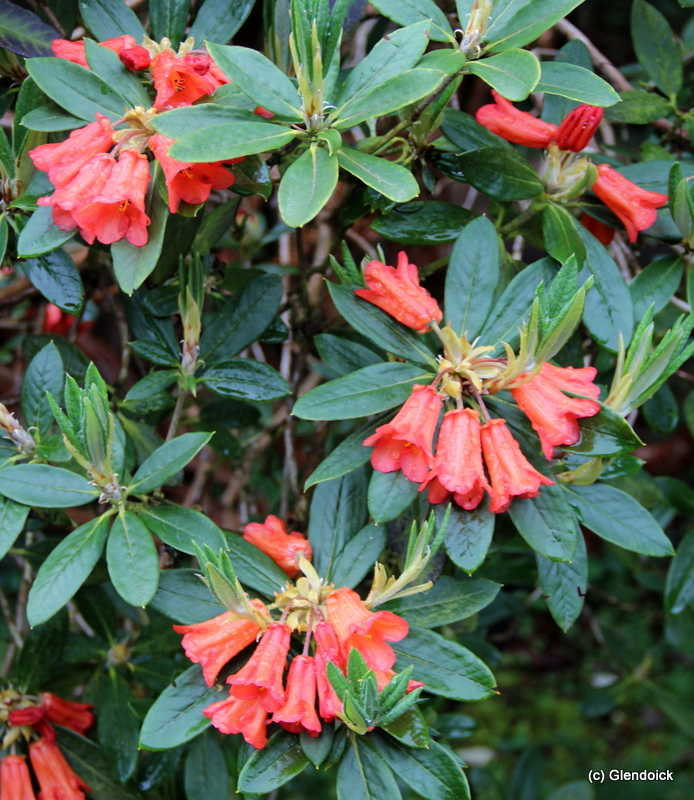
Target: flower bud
[(578, 128), (135, 58)]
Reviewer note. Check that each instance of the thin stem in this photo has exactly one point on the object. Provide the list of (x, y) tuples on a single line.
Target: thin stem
[(507, 230), (483, 407), (176, 416)]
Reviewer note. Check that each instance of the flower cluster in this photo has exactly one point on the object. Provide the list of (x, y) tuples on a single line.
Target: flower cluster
[(567, 176), (332, 621), (101, 173), (465, 444), (32, 719)]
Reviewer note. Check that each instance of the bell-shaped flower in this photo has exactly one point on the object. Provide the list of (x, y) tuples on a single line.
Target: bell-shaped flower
[(63, 161), (397, 291), (118, 210), (261, 677), (135, 58), (246, 717), (578, 128), (504, 119), (74, 51), (553, 415), (634, 206), (458, 467), (76, 716), (603, 233), (56, 777), (215, 642), (510, 472), (406, 441), (15, 781), (187, 182), (283, 548), (327, 649), (177, 83), (299, 710), (366, 631)]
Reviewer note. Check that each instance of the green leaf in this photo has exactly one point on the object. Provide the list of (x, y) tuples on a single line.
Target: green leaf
[(66, 569), (76, 89), (179, 122), (679, 587), (472, 277), (410, 728), (449, 600), (56, 277), (132, 264), (577, 790), (409, 12), (307, 186), (391, 180), (656, 47), (608, 309), (606, 434), (337, 515), (118, 739), (500, 173), (617, 517), (231, 140), (466, 133), (106, 19), (390, 493), (260, 79), (133, 560), (179, 527), (468, 535), (564, 584), (219, 20), (23, 32), (246, 379), (514, 73), (266, 770), (176, 716), (433, 772), (50, 117), (12, 518), (357, 558), (4, 236), (420, 222), (168, 18), (393, 94), (366, 391), (560, 232), (253, 567), (344, 355), (252, 177), (166, 461), (40, 235), (43, 486), (516, 23), (106, 64), (447, 668), (576, 83), (656, 284), (547, 523), (184, 598), (40, 657), (555, 108), (318, 748), (363, 775), (29, 97), (44, 374), (639, 108), (206, 774)]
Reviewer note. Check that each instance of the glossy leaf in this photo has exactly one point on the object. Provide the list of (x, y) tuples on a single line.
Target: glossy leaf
[(246, 379), (390, 493), (564, 584), (56, 277), (363, 774), (514, 73), (44, 374), (656, 284), (466, 133), (559, 230), (547, 523), (344, 355), (656, 48), (430, 222), (500, 173), (179, 527), (358, 556), (576, 83), (267, 769), (219, 20), (468, 535), (12, 518), (307, 186), (391, 180), (66, 569), (166, 461), (168, 18), (679, 588), (118, 739), (184, 598), (40, 235), (106, 20), (605, 434), (133, 560), (43, 486), (206, 774), (231, 140)]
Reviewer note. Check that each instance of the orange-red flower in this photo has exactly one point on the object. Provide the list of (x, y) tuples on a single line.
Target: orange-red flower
[(327, 649), (55, 776), (578, 128), (177, 83), (603, 233), (118, 210), (514, 125), (299, 710), (458, 465), (261, 677), (187, 182), (215, 642), (406, 442), (76, 716), (553, 415), (510, 472), (367, 631), (63, 161), (15, 781), (246, 717), (135, 58), (283, 548), (397, 291), (74, 51), (634, 206)]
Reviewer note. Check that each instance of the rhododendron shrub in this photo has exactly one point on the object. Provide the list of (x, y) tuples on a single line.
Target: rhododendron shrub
[(346, 406)]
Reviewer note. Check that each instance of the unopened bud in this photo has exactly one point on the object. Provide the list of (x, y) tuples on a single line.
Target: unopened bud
[(578, 128), (476, 29), (200, 62), (135, 58), (565, 175), (23, 439)]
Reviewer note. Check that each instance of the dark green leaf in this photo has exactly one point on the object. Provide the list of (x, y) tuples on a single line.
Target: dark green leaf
[(253, 567), (547, 523), (106, 19), (391, 180), (281, 760), (559, 230), (317, 748), (179, 527), (23, 32), (152, 384), (363, 775), (500, 173), (555, 107), (307, 186), (564, 584), (40, 235), (28, 98), (118, 739), (468, 535), (106, 64), (655, 284), (605, 434), (218, 20), (466, 133), (252, 177), (514, 73), (12, 518), (184, 598), (50, 117), (66, 569), (358, 556), (56, 277), (679, 589), (410, 728), (576, 790), (639, 108), (390, 493), (133, 560), (44, 374), (42, 486), (166, 461), (40, 657), (245, 379), (656, 48), (168, 18), (576, 83), (419, 222), (206, 774), (344, 355)]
